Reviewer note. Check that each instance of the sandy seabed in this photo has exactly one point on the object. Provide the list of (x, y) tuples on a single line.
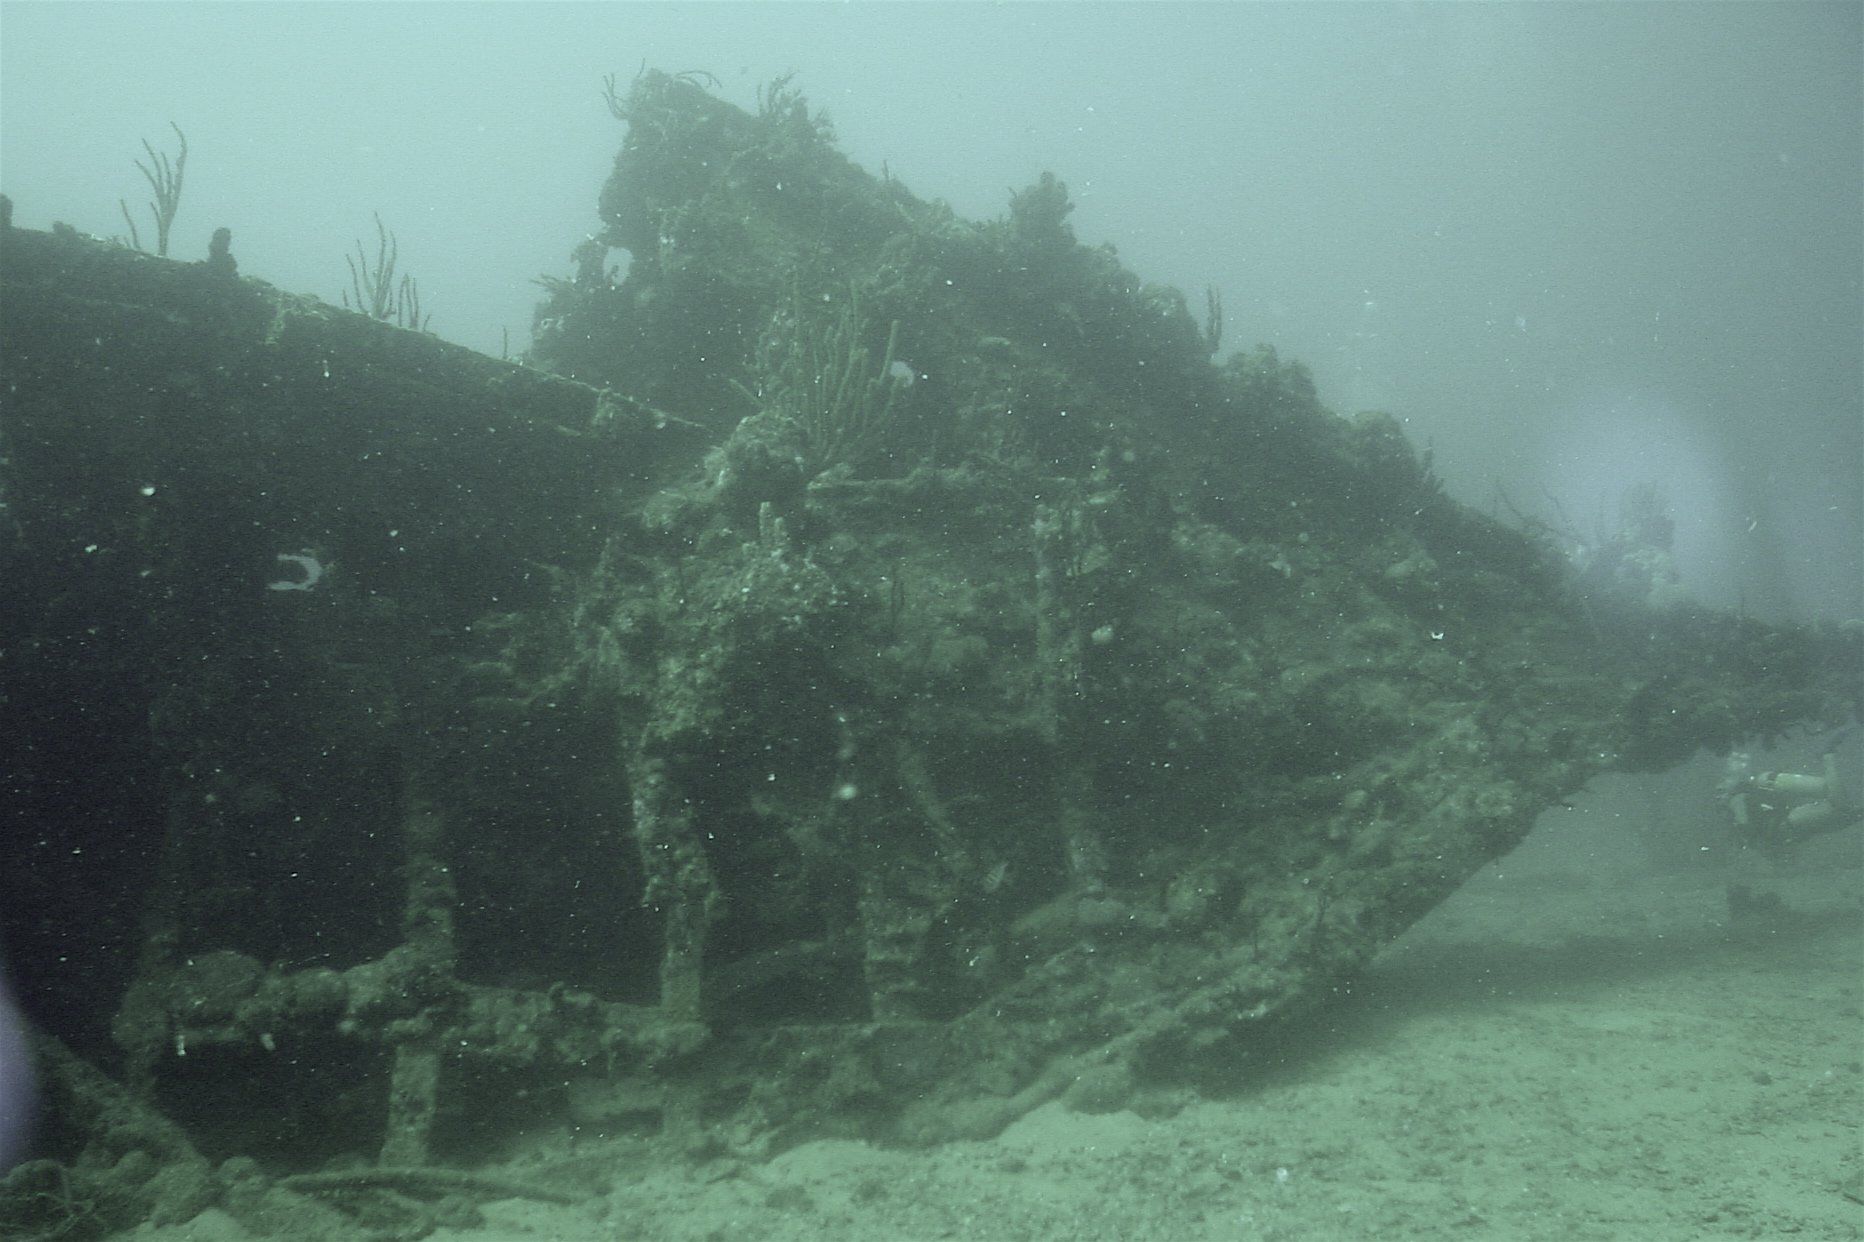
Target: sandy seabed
[(1574, 1047)]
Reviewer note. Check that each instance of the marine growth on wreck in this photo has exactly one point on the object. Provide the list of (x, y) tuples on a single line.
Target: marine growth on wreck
[(868, 672)]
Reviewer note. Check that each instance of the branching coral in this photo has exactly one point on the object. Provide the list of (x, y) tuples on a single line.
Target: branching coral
[(816, 369)]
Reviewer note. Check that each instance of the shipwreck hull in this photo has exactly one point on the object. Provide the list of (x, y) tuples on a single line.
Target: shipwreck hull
[(873, 674)]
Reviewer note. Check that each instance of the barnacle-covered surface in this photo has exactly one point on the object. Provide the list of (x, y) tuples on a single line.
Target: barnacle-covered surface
[(873, 673)]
